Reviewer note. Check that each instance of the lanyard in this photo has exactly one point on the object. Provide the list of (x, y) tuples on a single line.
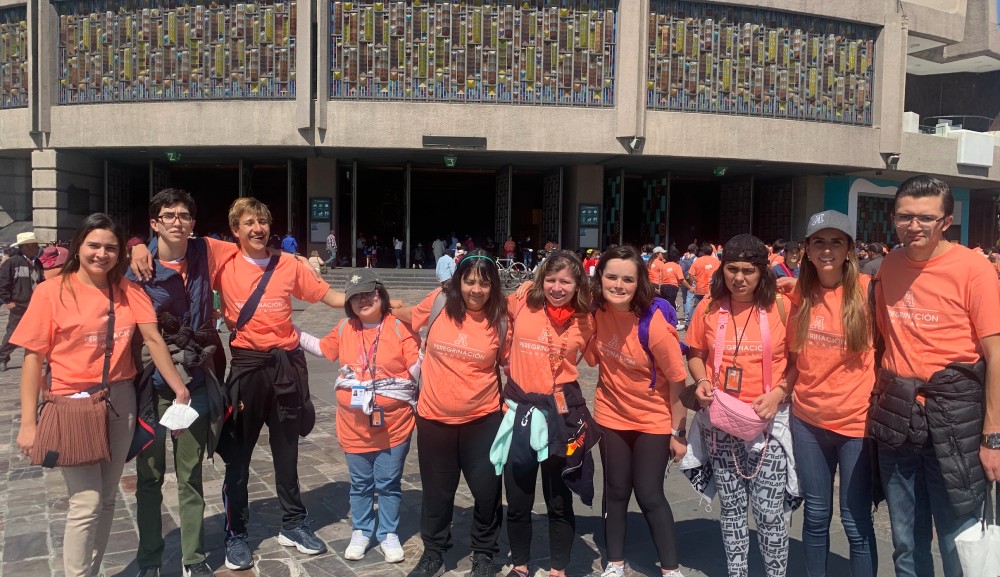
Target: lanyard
[(556, 359), (368, 356), (765, 337)]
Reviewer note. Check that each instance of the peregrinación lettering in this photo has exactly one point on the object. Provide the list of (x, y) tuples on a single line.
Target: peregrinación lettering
[(618, 355), (460, 352), (913, 316)]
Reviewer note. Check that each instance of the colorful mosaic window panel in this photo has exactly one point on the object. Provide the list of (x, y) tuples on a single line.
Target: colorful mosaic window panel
[(138, 51), (735, 60), (505, 51), (14, 57)]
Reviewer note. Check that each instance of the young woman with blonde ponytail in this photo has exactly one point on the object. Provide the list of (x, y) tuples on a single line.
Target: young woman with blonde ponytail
[(830, 339)]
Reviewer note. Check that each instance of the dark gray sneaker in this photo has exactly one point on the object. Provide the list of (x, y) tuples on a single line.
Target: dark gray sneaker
[(238, 554), (198, 570), (149, 572), (430, 565), (302, 538), (482, 565)]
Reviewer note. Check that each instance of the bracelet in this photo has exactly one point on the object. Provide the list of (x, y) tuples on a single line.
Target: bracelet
[(701, 380)]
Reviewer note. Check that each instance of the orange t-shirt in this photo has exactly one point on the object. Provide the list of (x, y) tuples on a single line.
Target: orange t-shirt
[(655, 268), (396, 353), (701, 335), (534, 336), (67, 322), (672, 273), (271, 325), (774, 259), (935, 312), (702, 270), (623, 400), (458, 381), (834, 385)]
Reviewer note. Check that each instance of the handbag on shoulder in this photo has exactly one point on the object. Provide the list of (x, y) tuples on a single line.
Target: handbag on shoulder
[(74, 431)]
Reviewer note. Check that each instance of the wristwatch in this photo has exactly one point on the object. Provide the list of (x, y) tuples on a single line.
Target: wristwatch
[(679, 433), (991, 440)]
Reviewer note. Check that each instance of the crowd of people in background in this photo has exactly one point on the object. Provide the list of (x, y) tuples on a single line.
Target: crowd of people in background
[(802, 356)]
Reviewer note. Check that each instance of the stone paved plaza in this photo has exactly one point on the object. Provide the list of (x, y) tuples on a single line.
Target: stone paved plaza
[(33, 507)]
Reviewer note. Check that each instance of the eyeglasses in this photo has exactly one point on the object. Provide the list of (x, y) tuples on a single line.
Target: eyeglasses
[(168, 217), (923, 220)]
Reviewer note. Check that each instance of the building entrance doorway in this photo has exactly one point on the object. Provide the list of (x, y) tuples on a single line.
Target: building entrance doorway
[(695, 206)]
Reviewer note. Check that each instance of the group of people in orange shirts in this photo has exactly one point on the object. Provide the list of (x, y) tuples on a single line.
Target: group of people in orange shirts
[(793, 381)]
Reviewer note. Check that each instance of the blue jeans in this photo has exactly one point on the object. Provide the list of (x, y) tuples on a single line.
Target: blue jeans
[(915, 493), (818, 454), (689, 305), (381, 472)]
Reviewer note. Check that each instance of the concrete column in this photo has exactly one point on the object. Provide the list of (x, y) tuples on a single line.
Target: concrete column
[(15, 190), (807, 199), (630, 77), (321, 181), (66, 188), (582, 184), (303, 66), (890, 84)]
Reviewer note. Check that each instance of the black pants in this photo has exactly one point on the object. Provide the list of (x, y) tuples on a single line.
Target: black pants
[(236, 444), (635, 461), (12, 321), (520, 487), (445, 452), (668, 292)]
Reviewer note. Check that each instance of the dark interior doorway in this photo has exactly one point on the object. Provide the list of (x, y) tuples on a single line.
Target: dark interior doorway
[(381, 208), (213, 187), (526, 208), (694, 211), (450, 202), (633, 219)]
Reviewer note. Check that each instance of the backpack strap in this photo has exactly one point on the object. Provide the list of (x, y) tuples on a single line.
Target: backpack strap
[(669, 315), (439, 301), (250, 307), (878, 340), (782, 313)]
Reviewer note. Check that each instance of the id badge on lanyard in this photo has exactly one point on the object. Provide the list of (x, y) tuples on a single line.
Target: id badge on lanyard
[(377, 418), (558, 396), (357, 396)]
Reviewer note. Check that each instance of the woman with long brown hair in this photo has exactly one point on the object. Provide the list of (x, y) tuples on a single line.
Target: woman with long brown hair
[(67, 325), (830, 340)]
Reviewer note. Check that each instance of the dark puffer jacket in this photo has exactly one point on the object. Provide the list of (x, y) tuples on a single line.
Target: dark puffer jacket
[(951, 416)]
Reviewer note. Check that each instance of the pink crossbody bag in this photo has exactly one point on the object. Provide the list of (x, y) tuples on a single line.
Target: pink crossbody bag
[(727, 412)]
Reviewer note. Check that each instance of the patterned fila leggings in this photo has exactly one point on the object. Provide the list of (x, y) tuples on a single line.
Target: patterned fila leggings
[(765, 494)]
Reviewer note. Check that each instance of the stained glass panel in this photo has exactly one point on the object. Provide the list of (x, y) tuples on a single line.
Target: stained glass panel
[(141, 50), (737, 60), (506, 51), (14, 57)]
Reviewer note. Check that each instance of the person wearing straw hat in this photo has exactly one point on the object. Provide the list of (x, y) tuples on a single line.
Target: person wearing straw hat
[(19, 275)]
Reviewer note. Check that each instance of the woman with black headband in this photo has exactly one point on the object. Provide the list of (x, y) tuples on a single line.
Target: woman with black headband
[(738, 360), (458, 413)]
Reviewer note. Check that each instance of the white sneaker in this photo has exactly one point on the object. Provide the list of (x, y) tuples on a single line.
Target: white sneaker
[(614, 570), (672, 573), (391, 549), (359, 544)]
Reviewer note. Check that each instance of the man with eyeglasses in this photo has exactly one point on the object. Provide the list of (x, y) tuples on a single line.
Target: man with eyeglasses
[(938, 311), (179, 285)]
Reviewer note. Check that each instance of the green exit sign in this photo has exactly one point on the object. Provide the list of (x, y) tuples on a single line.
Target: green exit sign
[(173, 156), (450, 161), (719, 171)]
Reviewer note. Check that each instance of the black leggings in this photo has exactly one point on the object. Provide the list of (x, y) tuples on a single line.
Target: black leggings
[(520, 486), (637, 461)]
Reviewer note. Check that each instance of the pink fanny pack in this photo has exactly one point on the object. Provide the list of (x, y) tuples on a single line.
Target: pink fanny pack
[(728, 413)]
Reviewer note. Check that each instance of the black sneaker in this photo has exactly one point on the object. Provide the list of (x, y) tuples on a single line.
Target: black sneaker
[(198, 570), (430, 565), (149, 572), (302, 538), (238, 554), (482, 565)]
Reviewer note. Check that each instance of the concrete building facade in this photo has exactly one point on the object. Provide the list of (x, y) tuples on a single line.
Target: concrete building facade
[(585, 121)]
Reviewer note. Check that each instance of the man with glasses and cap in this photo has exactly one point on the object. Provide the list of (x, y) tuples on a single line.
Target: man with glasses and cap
[(19, 275)]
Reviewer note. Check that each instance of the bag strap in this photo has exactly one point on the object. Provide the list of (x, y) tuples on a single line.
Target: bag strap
[(780, 301), (439, 302), (109, 341), (250, 307)]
